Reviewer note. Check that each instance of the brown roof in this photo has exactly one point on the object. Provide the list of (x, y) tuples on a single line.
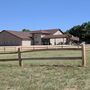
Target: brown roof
[(21, 35), (39, 32), (47, 31), (52, 31), (55, 36), (27, 35)]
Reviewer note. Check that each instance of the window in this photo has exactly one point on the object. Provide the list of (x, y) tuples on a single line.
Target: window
[(36, 41)]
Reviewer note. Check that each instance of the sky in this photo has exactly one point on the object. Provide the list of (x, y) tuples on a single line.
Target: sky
[(43, 14)]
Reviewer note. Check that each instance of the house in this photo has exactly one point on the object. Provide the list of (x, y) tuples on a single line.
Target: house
[(38, 37), (15, 38), (47, 37)]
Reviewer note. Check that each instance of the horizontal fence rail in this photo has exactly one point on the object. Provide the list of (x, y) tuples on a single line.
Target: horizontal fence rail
[(34, 47), (20, 59), (11, 59), (9, 52), (52, 58)]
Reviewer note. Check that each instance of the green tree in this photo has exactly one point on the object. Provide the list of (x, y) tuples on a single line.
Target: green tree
[(82, 31), (25, 30), (75, 31)]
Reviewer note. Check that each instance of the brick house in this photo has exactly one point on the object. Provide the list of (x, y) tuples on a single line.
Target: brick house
[(39, 37)]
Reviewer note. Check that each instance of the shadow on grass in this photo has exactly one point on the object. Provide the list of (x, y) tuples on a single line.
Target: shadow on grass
[(54, 65), (35, 65)]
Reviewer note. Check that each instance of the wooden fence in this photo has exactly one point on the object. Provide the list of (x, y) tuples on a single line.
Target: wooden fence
[(33, 47), (19, 53)]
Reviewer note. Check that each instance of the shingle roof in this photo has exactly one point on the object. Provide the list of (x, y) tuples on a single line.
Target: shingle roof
[(39, 32), (21, 35), (55, 36), (47, 31), (52, 31), (28, 35)]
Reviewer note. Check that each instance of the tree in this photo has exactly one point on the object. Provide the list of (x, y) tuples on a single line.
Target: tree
[(75, 31), (25, 30), (87, 27), (82, 31)]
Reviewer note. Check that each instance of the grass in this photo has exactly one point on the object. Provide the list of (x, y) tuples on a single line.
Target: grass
[(45, 75)]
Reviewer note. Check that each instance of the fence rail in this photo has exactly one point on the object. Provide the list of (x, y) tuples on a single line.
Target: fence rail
[(24, 48), (19, 53)]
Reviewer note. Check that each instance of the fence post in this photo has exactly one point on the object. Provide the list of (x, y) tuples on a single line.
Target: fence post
[(19, 57), (83, 55), (4, 49)]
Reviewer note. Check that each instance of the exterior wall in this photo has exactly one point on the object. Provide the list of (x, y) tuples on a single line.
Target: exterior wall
[(37, 39), (58, 41), (26, 42), (42, 36), (7, 39), (52, 41), (58, 33)]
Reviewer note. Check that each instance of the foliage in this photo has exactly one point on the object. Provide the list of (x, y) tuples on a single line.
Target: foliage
[(25, 30), (82, 31)]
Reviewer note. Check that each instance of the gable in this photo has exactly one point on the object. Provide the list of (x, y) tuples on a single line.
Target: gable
[(19, 34), (4, 35), (58, 33)]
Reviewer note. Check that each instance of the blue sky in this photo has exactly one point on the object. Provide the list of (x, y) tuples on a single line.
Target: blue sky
[(43, 14)]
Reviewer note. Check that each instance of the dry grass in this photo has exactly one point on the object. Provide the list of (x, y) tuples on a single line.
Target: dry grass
[(45, 75)]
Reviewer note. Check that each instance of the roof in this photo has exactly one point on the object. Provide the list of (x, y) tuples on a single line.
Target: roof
[(55, 36), (21, 35), (52, 31), (47, 31), (39, 32), (27, 35)]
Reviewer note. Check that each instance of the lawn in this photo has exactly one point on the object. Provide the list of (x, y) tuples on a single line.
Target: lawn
[(45, 75)]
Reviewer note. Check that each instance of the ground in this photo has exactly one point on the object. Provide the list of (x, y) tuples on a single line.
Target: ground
[(45, 75)]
